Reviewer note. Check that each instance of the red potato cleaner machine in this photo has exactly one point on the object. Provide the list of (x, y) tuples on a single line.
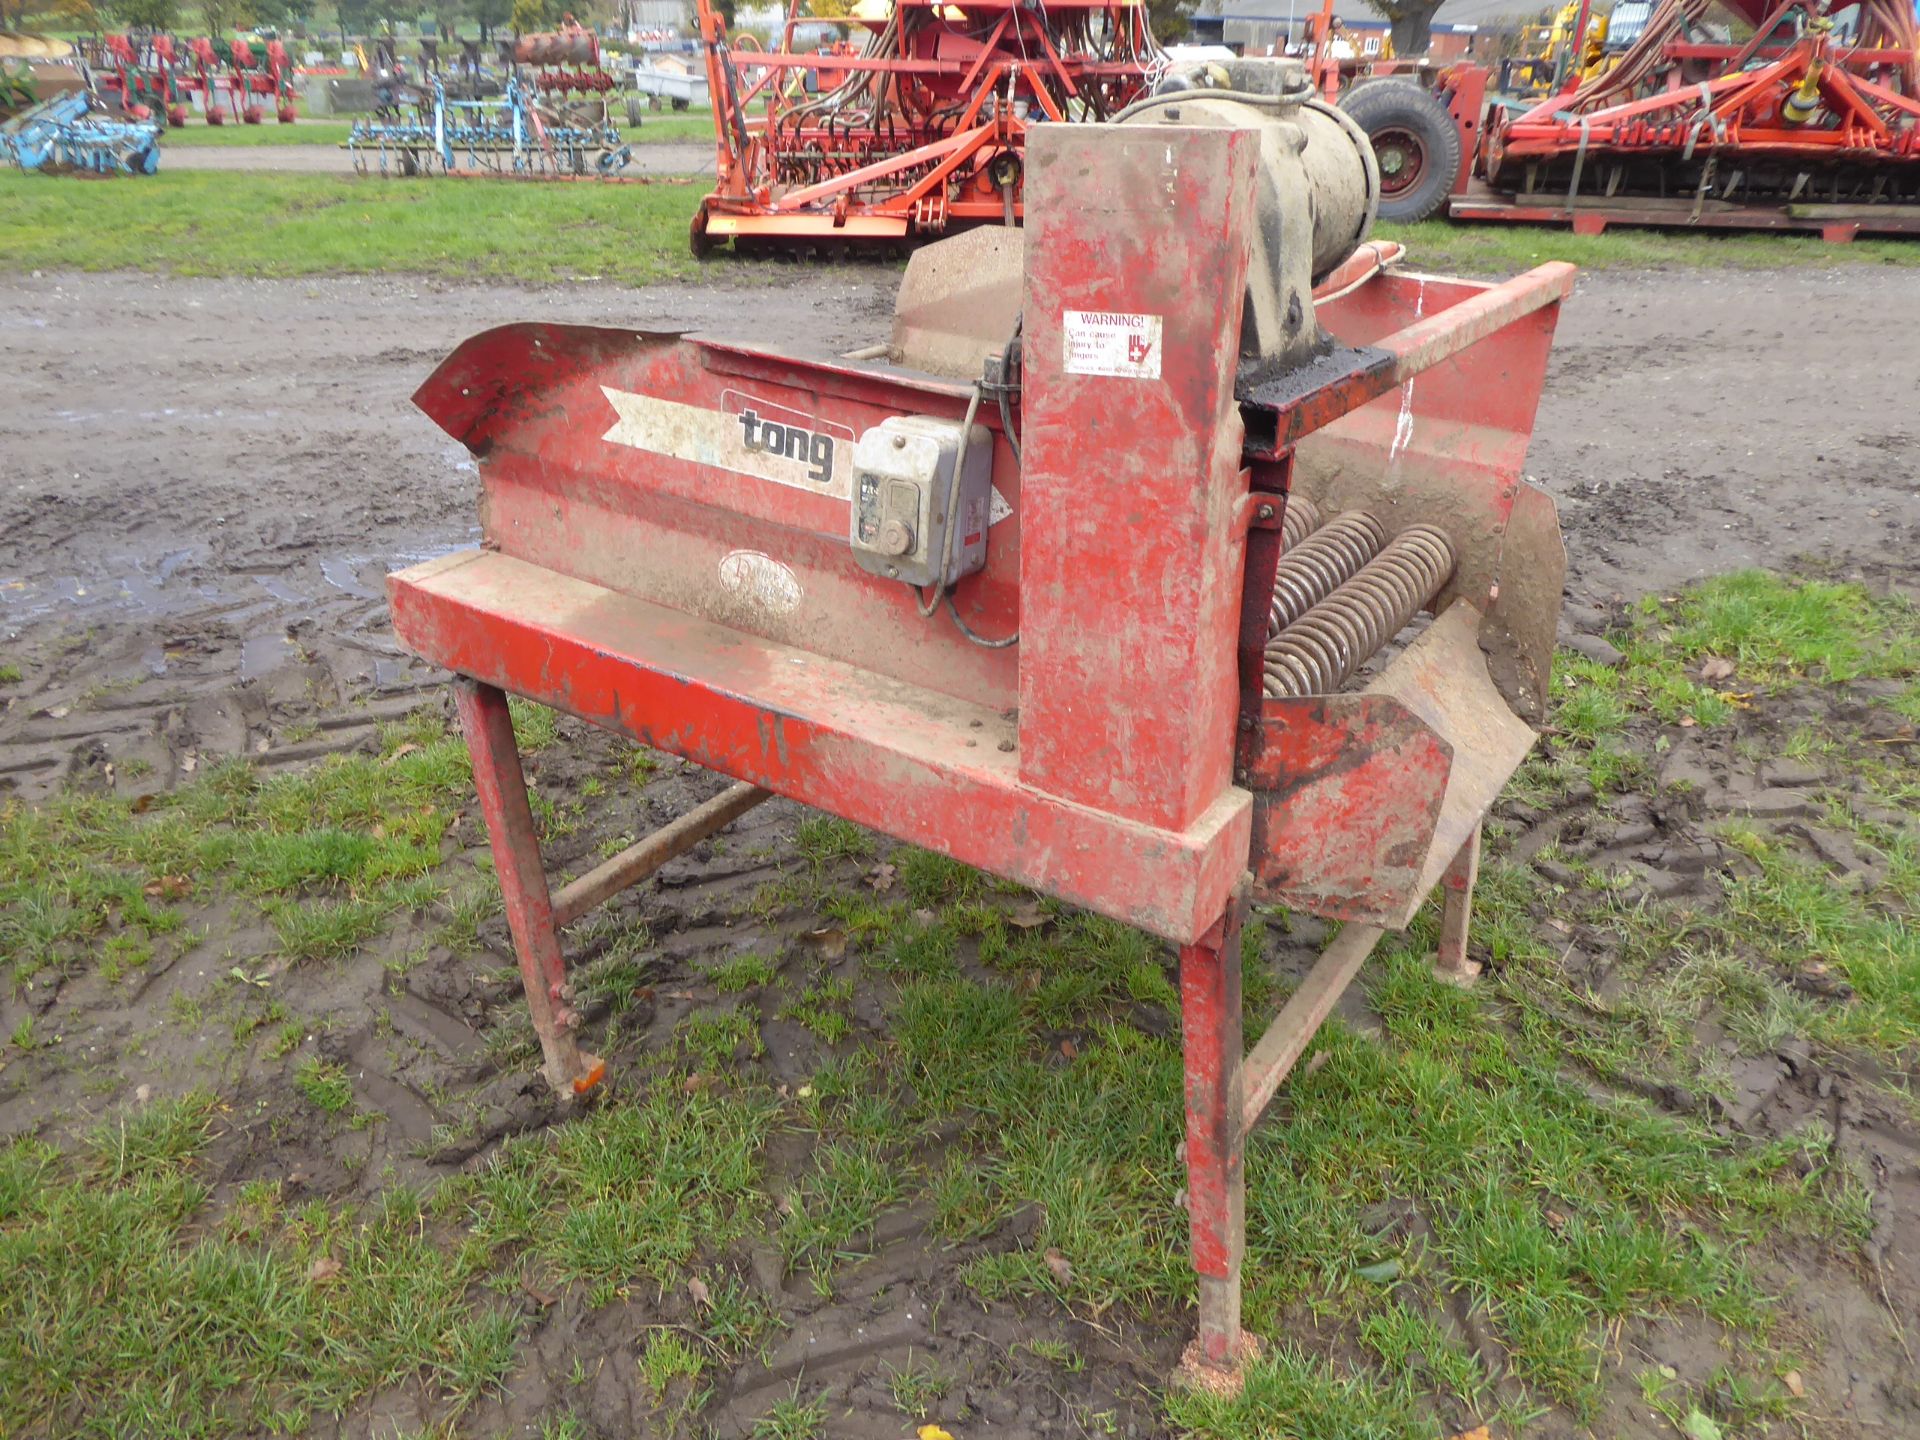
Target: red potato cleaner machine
[(1069, 584)]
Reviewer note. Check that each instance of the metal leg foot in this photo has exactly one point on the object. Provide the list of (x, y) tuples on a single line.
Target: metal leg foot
[(1450, 962), (1216, 1183), (502, 788)]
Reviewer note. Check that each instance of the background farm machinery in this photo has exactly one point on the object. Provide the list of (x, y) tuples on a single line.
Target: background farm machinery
[(75, 133), (919, 128), (542, 114), (157, 75), (1813, 123)]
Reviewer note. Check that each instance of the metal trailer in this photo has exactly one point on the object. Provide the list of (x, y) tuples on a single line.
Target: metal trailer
[(682, 89), (1186, 518)]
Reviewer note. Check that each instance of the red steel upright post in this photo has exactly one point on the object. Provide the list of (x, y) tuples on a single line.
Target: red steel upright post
[(1130, 569), (1216, 1134), (502, 788)]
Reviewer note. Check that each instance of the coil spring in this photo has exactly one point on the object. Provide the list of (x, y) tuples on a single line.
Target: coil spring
[(1330, 556), (1319, 652), (1300, 520)]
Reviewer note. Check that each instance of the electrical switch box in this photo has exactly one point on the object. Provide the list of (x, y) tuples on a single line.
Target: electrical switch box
[(910, 481)]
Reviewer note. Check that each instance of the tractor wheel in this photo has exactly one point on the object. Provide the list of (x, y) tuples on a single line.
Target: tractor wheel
[(1415, 141), (702, 243), (636, 111)]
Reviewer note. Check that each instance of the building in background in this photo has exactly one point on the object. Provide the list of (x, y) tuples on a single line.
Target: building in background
[(1253, 26)]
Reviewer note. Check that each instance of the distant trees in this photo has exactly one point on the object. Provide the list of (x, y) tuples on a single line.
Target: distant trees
[(1411, 23), (1169, 19)]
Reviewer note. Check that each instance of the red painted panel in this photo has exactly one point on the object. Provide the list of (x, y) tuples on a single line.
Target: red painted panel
[(1129, 566)]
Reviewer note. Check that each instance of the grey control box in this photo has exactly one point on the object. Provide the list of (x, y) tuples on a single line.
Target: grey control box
[(905, 493)]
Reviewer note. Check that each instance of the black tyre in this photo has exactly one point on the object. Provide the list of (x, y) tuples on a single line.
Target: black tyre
[(636, 110), (1415, 141)]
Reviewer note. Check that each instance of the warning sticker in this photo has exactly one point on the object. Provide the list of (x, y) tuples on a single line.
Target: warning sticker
[(1106, 342)]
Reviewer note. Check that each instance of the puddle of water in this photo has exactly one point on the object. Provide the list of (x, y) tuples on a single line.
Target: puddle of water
[(263, 654)]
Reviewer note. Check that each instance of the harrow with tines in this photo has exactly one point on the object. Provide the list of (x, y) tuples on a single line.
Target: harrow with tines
[(512, 135)]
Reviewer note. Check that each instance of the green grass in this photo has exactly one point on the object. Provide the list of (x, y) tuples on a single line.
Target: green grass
[(272, 1318), (1507, 249), (326, 854), (1470, 1158), (262, 223)]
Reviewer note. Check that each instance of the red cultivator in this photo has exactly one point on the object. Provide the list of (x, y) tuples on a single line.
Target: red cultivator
[(1045, 589), (1797, 128), (152, 75), (922, 130)]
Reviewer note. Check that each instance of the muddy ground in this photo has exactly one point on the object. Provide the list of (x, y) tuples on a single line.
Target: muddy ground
[(206, 481)]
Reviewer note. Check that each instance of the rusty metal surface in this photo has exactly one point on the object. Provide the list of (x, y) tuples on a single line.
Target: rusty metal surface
[(502, 789), (912, 763), (638, 861), (1361, 800), (1445, 447), (1129, 564), (624, 458), (959, 301), (1283, 1042), (1210, 971)]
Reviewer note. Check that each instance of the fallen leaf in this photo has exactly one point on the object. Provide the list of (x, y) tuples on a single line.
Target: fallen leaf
[(1381, 1273), (188, 763), (925, 917), (1556, 1221), (805, 1092), (1687, 722), (1700, 1426), (167, 887), (1027, 915), (1069, 1049), (1796, 1387), (323, 1270), (539, 1297), (1061, 1267), (1478, 1432), (1715, 668), (1315, 1063), (881, 876), (695, 1083), (399, 750), (933, 1432), (60, 712), (697, 1288), (141, 804), (831, 940), (142, 1093)]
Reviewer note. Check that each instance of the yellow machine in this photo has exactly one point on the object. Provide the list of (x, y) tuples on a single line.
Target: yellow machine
[(1532, 74)]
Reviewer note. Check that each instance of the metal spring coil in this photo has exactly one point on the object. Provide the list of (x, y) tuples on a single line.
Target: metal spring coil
[(1319, 653), (1300, 520), (1329, 557)]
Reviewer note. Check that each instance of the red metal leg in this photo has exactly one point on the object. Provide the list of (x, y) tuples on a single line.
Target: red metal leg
[(523, 883), (1456, 914), (1216, 1184), (1840, 232), (1589, 225)]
